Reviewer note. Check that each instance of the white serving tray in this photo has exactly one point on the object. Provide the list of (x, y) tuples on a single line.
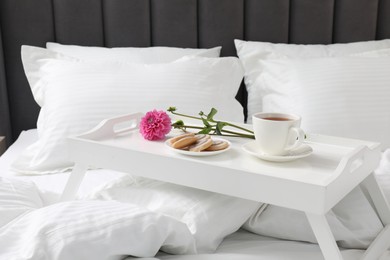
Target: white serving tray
[(313, 184)]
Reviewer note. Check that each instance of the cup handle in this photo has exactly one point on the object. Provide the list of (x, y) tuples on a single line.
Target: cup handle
[(299, 136)]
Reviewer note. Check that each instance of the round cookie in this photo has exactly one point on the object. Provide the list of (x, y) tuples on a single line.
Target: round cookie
[(182, 141), (217, 146), (204, 141), (177, 138)]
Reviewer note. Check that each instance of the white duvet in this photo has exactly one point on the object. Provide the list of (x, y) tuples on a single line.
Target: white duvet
[(32, 227), (152, 215), (83, 229)]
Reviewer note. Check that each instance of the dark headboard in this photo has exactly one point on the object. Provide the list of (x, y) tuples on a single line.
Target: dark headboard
[(181, 23)]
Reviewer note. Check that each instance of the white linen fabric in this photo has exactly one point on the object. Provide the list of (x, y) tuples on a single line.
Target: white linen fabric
[(76, 95), (241, 245), (384, 166), (98, 230), (343, 96), (250, 53), (353, 222), (374, 53), (339, 89), (34, 62), (209, 216), (383, 174), (148, 55), (16, 198), (50, 186)]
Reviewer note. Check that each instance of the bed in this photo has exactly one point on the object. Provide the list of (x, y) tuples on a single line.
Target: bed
[(174, 23)]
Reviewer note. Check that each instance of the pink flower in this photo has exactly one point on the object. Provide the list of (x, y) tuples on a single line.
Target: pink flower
[(155, 125)]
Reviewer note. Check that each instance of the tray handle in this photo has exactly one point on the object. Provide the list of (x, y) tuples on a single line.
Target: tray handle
[(359, 158), (353, 160), (108, 127)]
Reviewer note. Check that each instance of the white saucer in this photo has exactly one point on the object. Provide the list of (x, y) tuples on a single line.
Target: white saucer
[(203, 153), (302, 151)]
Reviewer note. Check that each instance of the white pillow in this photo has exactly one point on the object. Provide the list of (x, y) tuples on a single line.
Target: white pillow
[(130, 54), (344, 96), (250, 53), (282, 77), (209, 216), (16, 198), (76, 95), (98, 230), (354, 223)]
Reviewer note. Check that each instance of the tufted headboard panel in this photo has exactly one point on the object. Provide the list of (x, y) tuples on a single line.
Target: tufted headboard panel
[(181, 23)]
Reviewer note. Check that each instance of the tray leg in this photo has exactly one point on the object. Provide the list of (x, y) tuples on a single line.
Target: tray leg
[(74, 181), (324, 236), (382, 241), (378, 198)]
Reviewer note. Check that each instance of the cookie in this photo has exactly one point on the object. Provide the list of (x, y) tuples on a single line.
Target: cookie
[(217, 146), (203, 142), (177, 138), (182, 141), (196, 143)]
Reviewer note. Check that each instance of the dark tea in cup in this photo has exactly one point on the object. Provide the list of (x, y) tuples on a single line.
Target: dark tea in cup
[(277, 118)]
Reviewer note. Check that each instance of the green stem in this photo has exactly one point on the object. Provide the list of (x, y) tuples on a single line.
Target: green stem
[(238, 134), (199, 118), (239, 127), (247, 136), (188, 126), (178, 114), (212, 121), (233, 134)]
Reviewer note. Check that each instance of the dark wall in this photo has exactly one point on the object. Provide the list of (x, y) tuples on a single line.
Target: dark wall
[(5, 124)]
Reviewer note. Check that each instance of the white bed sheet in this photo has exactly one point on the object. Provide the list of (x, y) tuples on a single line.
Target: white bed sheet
[(241, 245), (52, 185)]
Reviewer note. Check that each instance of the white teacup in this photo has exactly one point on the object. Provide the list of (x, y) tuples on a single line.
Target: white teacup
[(277, 133)]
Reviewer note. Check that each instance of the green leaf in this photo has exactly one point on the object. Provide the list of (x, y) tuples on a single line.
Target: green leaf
[(210, 116), (219, 127), (206, 130)]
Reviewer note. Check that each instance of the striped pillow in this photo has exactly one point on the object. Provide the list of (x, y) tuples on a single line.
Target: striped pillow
[(76, 95), (93, 230), (250, 53), (17, 197), (344, 96), (149, 55)]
